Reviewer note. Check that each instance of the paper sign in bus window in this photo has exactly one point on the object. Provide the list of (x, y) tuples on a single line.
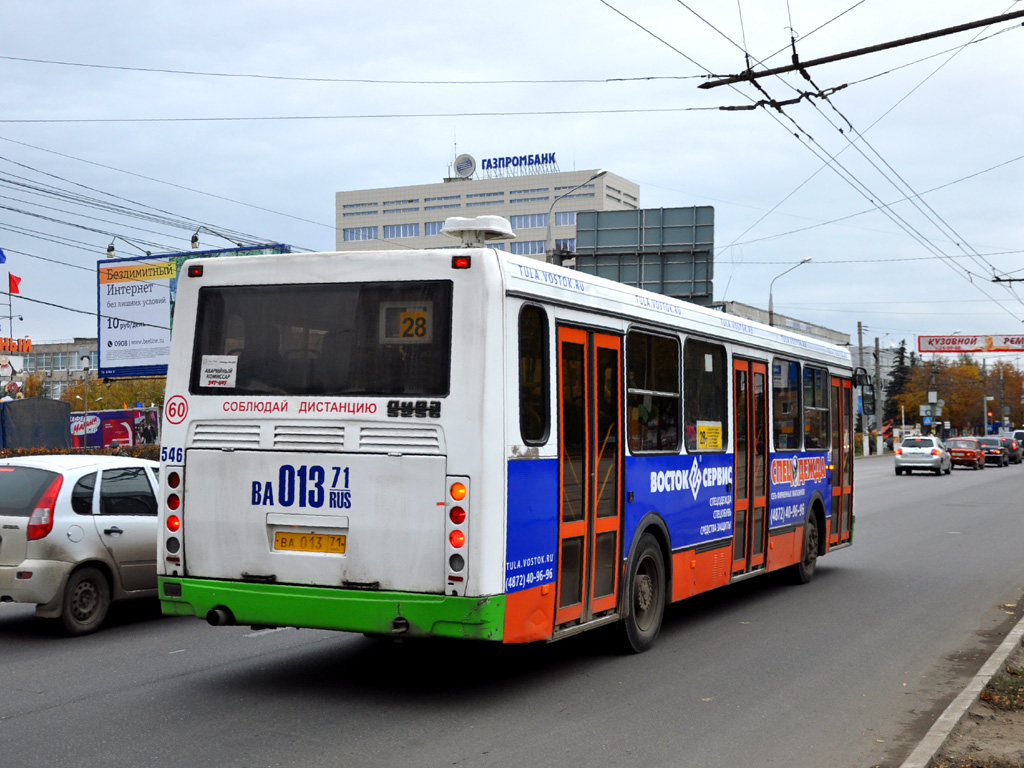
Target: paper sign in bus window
[(406, 323), (709, 436), (218, 371)]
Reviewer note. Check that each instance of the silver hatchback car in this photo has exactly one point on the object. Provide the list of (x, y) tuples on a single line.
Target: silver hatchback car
[(77, 532), (925, 453)]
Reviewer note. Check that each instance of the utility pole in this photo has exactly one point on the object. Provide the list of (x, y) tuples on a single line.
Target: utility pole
[(879, 440), (865, 437)]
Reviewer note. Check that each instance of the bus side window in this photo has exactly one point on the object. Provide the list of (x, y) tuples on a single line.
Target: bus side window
[(816, 426), (652, 367), (534, 378), (705, 396), (786, 404)]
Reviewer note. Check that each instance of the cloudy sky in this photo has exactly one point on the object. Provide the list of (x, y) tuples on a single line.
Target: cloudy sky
[(136, 122)]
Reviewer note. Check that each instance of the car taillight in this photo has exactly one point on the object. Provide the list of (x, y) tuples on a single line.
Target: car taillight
[(936, 452), (40, 523), (899, 451)]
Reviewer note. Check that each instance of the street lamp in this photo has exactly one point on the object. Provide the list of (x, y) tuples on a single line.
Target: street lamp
[(85, 423), (549, 240), (771, 307)]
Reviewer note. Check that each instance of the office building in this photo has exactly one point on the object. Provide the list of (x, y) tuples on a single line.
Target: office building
[(412, 216)]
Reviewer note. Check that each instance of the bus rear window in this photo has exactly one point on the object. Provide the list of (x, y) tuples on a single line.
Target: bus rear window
[(337, 339)]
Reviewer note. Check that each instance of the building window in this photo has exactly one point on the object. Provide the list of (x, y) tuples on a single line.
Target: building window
[(359, 213), (529, 221), (487, 194), (359, 205), (489, 202), (565, 218), (526, 247), (704, 392), (652, 399), (786, 404), (437, 207), (399, 202), (443, 197), (565, 244), (352, 234), (395, 231), (432, 228), (414, 209), (529, 192)]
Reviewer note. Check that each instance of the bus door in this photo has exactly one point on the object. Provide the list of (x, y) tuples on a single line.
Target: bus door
[(750, 464), (590, 473), (842, 461)]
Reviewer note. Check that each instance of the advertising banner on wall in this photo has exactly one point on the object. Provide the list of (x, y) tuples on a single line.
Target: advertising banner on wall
[(135, 300), (996, 342)]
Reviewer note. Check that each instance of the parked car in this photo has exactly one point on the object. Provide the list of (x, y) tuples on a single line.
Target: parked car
[(925, 453), (1018, 435), (965, 452), (1013, 448), (995, 453), (77, 532)]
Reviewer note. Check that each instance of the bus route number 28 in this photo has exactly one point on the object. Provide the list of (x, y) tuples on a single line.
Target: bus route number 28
[(304, 486)]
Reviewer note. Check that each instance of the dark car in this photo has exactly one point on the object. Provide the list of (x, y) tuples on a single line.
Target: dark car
[(1014, 450), (965, 452), (995, 453)]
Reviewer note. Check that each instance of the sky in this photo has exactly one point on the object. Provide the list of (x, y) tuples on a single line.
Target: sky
[(134, 123)]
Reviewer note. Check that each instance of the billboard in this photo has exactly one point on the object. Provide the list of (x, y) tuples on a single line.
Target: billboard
[(104, 429), (135, 304), (997, 342)]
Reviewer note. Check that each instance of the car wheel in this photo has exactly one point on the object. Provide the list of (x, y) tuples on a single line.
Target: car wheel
[(949, 469), (86, 601), (899, 472), (939, 470), (643, 597)]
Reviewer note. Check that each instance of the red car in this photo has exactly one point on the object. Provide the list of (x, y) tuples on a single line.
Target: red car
[(966, 452)]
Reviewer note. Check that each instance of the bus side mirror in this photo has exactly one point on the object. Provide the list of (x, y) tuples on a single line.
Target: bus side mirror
[(862, 379)]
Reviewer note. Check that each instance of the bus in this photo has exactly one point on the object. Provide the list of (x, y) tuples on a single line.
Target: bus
[(472, 444)]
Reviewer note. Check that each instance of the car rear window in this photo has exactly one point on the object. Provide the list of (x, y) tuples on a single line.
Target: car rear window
[(918, 442), (20, 489), (961, 444), (991, 441)]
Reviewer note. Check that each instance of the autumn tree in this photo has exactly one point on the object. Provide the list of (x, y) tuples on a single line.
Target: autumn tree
[(116, 394)]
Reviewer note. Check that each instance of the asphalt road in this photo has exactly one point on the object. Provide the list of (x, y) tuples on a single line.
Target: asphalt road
[(849, 670)]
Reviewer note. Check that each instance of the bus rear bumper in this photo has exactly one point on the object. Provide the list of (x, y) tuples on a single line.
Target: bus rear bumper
[(398, 614)]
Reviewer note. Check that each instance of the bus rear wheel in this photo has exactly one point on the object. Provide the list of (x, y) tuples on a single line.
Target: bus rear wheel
[(643, 597)]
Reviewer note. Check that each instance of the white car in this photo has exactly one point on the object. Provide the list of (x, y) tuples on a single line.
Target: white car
[(926, 453), (77, 532)]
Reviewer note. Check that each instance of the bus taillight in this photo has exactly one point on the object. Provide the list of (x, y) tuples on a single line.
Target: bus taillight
[(173, 523), (457, 507)]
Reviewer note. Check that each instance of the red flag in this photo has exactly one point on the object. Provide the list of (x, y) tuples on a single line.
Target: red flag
[(13, 283)]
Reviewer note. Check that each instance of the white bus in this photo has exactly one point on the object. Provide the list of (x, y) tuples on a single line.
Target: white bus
[(466, 443)]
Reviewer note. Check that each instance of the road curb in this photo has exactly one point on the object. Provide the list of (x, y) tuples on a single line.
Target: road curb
[(940, 730)]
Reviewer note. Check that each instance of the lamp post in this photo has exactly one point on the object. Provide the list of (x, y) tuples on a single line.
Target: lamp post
[(771, 307), (549, 240), (85, 422)]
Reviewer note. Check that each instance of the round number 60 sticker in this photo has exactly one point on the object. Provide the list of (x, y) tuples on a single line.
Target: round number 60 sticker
[(176, 409)]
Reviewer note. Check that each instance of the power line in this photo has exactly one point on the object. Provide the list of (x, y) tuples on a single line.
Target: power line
[(347, 80), (749, 76), (381, 116)]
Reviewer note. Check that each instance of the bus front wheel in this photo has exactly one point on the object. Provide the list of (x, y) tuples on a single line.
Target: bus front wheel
[(803, 571), (643, 597)]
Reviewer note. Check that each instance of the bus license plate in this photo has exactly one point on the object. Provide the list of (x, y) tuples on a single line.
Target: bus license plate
[(309, 542)]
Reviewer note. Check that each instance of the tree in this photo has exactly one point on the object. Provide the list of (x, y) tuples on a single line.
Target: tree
[(116, 394), (897, 383)]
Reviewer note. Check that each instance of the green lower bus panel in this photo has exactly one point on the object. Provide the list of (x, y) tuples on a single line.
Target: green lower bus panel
[(402, 614)]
